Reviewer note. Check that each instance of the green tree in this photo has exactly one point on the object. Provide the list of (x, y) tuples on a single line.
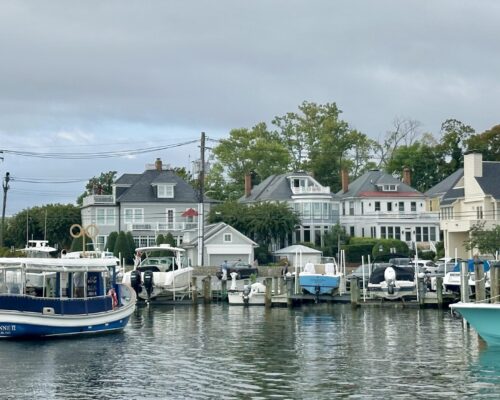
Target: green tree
[(129, 256), (78, 245), (121, 245), (103, 184), (169, 239), (486, 241), (251, 150), (160, 239), (332, 239), (452, 145), (487, 143), (51, 222), (416, 157), (110, 243)]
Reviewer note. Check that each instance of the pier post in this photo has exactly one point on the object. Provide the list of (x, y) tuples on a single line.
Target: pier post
[(275, 284), (207, 289), (479, 277), (421, 291), (194, 289), (495, 282), (289, 291), (223, 289), (269, 291), (439, 291), (464, 282), (282, 281), (355, 292)]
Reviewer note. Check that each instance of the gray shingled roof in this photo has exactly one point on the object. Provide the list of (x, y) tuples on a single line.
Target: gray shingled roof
[(489, 181), (451, 196), (143, 191), (367, 183), (274, 188), (446, 184)]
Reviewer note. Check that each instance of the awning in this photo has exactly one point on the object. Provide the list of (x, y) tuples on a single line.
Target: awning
[(190, 212)]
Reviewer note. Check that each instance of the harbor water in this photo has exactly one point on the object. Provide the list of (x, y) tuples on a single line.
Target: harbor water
[(217, 351)]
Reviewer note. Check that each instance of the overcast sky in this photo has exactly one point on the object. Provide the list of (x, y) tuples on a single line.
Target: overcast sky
[(98, 76)]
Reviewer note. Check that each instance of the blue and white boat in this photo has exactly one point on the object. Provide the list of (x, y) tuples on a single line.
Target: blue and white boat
[(44, 297), (483, 317), (320, 278)]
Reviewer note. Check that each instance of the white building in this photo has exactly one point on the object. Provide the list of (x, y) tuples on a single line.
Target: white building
[(378, 205)]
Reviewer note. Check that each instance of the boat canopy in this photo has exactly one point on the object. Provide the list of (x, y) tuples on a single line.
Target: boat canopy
[(470, 265), (58, 264)]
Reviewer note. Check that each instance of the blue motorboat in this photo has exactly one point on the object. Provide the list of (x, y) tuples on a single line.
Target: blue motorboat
[(320, 279), (483, 317), (44, 297)]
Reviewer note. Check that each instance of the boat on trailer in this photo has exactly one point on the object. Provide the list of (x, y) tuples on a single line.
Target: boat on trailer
[(160, 272), (320, 278), (46, 297), (392, 282)]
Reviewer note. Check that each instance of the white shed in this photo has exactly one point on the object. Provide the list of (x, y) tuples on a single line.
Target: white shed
[(299, 254)]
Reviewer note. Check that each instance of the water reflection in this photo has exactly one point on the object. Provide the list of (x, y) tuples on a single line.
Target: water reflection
[(317, 351)]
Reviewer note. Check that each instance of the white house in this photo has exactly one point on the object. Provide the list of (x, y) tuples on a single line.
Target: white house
[(316, 205), (379, 205)]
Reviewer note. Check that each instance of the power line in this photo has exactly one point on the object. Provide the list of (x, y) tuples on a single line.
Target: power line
[(89, 156)]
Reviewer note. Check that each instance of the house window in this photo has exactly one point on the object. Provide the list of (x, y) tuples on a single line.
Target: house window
[(343, 208), (165, 191), (432, 234), (425, 235), (397, 234), (316, 210), (377, 206), (383, 232), (351, 231), (408, 236), (418, 231), (228, 237), (401, 206), (389, 206), (479, 212), (170, 218), (413, 206), (307, 210), (389, 188), (105, 216), (362, 208), (390, 232), (101, 242), (362, 232), (351, 208), (133, 215), (373, 232)]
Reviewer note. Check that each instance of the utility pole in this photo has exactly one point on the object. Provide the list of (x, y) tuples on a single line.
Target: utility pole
[(201, 212), (5, 186)]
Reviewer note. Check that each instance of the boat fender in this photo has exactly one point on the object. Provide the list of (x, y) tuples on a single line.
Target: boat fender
[(246, 293), (390, 288), (114, 298)]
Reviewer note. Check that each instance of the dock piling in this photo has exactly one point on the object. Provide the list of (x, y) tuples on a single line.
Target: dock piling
[(269, 291), (480, 283), (194, 289), (207, 289), (439, 291), (355, 292)]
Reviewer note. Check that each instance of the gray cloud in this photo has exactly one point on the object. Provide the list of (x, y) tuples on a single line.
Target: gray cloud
[(89, 66)]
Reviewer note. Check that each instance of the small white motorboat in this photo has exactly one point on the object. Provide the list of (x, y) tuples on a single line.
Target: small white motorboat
[(160, 272), (251, 295), (392, 282)]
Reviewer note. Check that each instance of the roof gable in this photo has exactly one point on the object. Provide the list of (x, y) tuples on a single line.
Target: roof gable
[(368, 185)]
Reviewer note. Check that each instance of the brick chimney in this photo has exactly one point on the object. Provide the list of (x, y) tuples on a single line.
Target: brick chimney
[(345, 180), (158, 164), (248, 185), (407, 176)]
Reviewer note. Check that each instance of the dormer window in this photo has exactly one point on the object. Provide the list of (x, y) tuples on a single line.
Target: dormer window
[(388, 187), (165, 191)]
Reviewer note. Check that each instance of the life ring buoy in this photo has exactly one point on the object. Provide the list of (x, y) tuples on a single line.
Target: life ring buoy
[(114, 298)]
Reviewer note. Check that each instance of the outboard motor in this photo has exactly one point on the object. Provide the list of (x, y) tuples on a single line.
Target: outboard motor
[(135, 281), (246, 293), (390, 279), (148, 282)]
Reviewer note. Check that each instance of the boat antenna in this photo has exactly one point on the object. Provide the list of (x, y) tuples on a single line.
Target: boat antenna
[(27, 226)]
